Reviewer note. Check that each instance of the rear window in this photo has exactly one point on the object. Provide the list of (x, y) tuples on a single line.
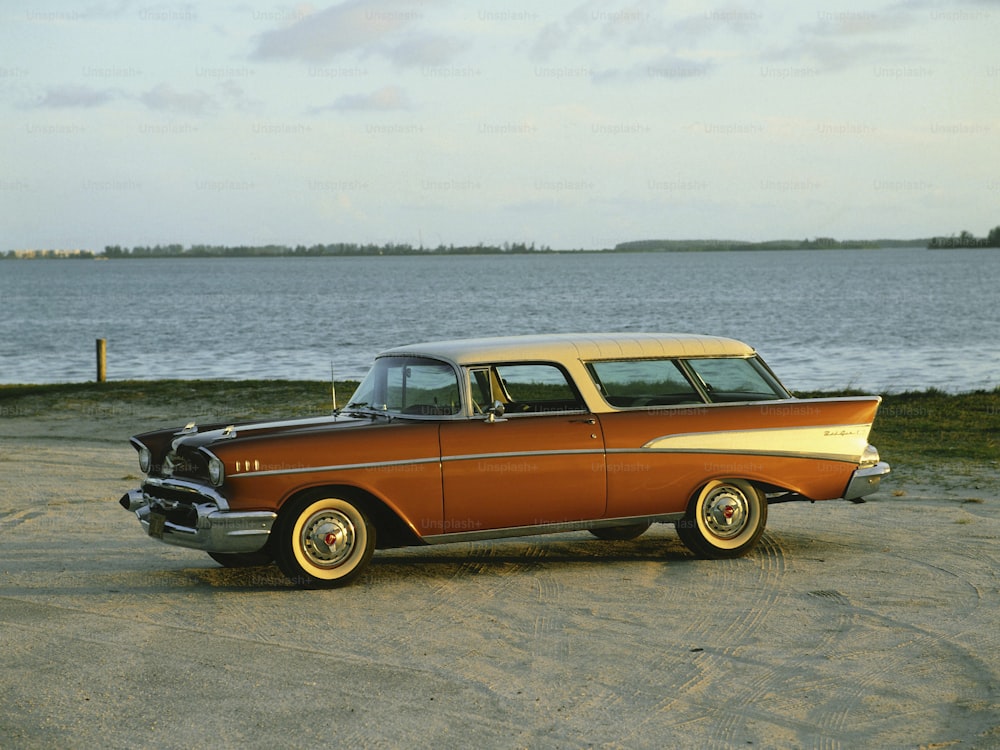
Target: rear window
[(667, 382), (736, 379)]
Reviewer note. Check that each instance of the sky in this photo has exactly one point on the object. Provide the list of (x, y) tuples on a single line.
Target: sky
[(571, 125)]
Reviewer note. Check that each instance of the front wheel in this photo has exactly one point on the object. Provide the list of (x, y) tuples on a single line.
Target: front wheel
[(322, 540), (724, 520)]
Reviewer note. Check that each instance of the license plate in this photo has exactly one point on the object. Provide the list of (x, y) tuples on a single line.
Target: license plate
[(156, 521)]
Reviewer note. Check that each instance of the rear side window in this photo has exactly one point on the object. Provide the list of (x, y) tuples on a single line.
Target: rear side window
[(635, 383), (736, 379), (643, 382)]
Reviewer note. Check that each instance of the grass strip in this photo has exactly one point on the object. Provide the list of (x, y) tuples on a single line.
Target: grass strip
[(911, 427)]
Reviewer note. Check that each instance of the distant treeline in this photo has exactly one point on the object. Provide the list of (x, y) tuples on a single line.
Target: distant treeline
[(338, 248), (353, 249), (820, 243), (966, 239)]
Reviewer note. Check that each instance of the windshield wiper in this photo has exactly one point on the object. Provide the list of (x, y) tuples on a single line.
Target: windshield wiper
[(364, 409)]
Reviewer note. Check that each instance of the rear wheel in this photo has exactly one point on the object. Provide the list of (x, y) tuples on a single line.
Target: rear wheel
[(323, 540), (724, 520), (619, 533)]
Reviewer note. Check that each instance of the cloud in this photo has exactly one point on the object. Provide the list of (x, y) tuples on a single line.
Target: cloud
[(642, 41), (644, 23), (549, 39), (425, 50), (837, 56), (849, 23), (567, 31), (663, 68), (352, 26), (236, 96), (385, 99), (165, 98), (737, 19), (162, 98), (657, 46), (843, 39), (75, 96)]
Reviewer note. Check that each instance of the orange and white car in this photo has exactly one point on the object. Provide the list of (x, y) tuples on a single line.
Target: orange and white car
[(501, 437)]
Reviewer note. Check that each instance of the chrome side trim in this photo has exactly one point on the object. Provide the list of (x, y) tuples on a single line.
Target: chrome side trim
[(792, 401), (547, 528), (522, 454), (336, 467), (741, 452), (650, 447), (417, 461), (843, 443)]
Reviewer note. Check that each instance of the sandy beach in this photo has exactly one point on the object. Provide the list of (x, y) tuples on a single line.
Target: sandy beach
[(851, 626)]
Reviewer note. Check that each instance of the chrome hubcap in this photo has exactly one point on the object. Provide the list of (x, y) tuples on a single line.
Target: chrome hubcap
[(328, 538), (726, 513)]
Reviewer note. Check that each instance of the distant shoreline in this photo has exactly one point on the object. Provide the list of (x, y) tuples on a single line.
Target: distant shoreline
[(114, 252)]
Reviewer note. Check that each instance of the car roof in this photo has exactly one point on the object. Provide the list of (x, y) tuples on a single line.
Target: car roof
[(575, 346)]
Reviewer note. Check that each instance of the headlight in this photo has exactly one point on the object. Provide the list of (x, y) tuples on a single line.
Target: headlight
[(145, 459), (216, 471), (870, 456)]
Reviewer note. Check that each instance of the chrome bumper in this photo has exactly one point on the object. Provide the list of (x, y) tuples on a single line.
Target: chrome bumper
[(866, 481), (209, 529)]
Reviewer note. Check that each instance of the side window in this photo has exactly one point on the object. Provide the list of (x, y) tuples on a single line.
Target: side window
[(643, 382), (736, 379), (533, 388)]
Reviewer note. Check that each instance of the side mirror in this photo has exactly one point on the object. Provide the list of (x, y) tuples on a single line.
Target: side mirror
[(494, 412)]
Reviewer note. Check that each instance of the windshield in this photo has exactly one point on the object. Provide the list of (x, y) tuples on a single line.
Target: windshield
[(410, 386)]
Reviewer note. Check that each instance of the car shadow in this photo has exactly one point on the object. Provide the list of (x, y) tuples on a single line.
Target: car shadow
[(506, 557)]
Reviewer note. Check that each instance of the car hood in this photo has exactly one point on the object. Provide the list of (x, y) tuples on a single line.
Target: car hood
[(195, 437)]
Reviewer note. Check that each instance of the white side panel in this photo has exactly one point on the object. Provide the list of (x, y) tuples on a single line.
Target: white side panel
[(837, 442)]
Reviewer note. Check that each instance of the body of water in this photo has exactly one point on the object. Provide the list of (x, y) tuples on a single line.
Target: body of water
[(883, 321)]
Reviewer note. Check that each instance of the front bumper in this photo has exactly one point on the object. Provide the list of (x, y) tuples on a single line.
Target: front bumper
[(202, 522), (866, 481)]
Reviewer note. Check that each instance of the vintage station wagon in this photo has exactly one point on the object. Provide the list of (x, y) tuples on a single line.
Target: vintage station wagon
[(484, 438)]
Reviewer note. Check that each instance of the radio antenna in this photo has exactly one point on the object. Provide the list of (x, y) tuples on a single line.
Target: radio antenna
[(333, 388)]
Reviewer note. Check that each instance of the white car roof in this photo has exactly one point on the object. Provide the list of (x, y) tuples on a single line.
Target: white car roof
[(564, 347)]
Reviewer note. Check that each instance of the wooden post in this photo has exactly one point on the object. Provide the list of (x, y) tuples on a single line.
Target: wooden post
[(102, 360)]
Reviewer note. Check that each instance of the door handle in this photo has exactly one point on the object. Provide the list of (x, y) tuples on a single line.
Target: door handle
[(589, 420)]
